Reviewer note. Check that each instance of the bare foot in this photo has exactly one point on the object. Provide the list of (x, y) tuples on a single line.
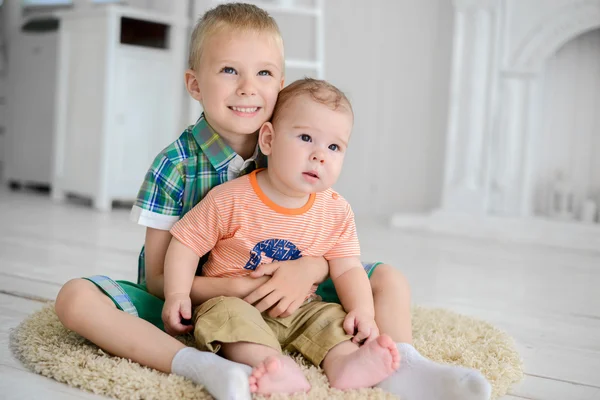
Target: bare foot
[(367, 366), (278, 374)]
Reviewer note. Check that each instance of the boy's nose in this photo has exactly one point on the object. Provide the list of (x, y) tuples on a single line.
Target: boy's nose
[(246, 88), (246, 92)]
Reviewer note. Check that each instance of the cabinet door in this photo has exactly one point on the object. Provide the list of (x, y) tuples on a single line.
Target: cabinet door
[(32, 95), (145, 118)]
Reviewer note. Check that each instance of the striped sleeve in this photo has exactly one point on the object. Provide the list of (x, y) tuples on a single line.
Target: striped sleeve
[(347, 244), (201, 227)]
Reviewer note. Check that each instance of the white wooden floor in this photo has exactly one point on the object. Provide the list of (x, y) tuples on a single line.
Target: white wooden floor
[(548, 299)]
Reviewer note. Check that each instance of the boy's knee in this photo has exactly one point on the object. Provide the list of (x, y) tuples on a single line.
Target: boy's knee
[(75, 300), (386, 277)]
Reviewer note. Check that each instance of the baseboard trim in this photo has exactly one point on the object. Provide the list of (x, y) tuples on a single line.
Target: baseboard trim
[(564, 234)]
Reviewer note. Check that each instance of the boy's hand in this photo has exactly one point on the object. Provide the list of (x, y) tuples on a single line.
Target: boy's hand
[(177, 307), (362, 325), (246, 284), (285, 292)]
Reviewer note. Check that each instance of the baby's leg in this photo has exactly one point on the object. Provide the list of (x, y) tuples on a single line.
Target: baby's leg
[(348, 366), (240, 331), (273, 372)]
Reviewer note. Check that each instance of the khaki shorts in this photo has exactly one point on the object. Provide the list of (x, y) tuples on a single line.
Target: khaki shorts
[(313, 330), (134, 298)]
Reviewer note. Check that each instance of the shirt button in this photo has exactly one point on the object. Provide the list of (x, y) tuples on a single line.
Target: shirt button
[(335, 196)]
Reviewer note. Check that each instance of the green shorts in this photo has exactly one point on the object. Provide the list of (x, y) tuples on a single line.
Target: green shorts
[(135, 299), (132, 298), (327, 291)]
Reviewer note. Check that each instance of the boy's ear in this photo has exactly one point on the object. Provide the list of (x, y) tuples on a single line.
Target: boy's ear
[(192, 86), (282, 84), (265, 138)]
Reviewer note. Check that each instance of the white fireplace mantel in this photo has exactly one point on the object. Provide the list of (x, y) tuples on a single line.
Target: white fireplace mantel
[(500, 50)]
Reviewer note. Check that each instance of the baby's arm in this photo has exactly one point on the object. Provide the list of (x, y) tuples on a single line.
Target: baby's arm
[(194, 235), (354, 290), (352, 284), (180, 268)]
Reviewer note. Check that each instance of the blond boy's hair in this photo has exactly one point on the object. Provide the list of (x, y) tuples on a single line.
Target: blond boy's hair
[(320, 91), (236, 16)]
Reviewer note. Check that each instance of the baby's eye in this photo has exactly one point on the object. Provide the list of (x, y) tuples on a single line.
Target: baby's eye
[(265, 72), (305, 138), (228, 70), (334, 147)]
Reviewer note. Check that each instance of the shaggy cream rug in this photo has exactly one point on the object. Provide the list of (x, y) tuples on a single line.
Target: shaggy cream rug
[(46, 347)]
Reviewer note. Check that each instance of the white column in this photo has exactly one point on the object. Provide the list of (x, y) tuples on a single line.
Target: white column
[(511, 186), (507, 147), (472, 88)]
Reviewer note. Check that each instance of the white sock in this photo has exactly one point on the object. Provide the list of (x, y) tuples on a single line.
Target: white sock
[(224, 379), (421, 379)]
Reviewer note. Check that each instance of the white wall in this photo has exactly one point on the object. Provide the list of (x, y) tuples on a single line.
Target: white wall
[(393, 59), (2, 119), (8, 15)]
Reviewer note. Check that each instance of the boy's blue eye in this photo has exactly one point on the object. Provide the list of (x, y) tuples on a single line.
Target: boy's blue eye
[(265, 72), (334, 147), (305, 138), (228, 70)]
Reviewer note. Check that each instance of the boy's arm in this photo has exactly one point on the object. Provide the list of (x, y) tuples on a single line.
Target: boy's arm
[(205, 288), (156, 245), (285, 292)]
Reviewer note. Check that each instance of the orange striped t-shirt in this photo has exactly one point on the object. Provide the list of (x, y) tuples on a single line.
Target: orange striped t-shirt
[(242, 228)]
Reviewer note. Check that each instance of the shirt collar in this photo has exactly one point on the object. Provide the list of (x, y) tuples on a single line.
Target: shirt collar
[(213, 146)]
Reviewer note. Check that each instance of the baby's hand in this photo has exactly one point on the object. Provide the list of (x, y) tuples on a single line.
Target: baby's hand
[(362, 325), (177, 307)]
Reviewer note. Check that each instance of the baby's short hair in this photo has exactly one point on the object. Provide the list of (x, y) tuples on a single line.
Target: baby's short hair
[(236, 16), (320, 91)]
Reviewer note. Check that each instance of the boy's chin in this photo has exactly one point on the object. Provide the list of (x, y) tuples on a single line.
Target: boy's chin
[(246, 128)]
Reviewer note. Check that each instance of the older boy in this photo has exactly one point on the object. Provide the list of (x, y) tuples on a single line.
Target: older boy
[(236, 71), (282, 213)]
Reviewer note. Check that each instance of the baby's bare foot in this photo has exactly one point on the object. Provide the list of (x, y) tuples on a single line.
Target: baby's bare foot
[(369, 365), (278, 374)]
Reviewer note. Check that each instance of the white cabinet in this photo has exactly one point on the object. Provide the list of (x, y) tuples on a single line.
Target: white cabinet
[(119, 99), (30, 102)]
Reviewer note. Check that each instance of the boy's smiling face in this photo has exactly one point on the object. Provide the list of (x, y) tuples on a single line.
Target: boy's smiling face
[(239, 76)]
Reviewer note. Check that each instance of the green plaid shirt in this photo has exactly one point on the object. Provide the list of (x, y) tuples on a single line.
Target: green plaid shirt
[(180, 176)]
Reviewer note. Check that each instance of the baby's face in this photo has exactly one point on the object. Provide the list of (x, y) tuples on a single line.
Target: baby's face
[(309, 145), (240, 74)]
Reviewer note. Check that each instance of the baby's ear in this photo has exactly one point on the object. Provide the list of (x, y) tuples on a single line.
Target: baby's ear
[(265, 138), (192, 86)]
